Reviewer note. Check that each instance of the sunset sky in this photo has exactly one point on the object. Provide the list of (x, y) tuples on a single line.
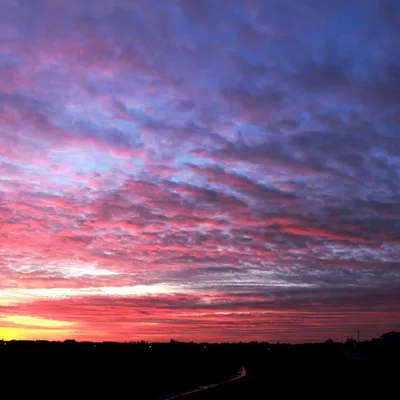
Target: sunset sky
[(216, 170)]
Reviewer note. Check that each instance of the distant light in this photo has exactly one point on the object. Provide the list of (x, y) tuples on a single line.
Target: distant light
[(205, 346), (150, 347)]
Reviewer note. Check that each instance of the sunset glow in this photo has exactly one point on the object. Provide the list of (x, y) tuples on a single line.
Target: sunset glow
[(199, 170)]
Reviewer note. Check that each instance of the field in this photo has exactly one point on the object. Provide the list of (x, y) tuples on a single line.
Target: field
[(158, 371)]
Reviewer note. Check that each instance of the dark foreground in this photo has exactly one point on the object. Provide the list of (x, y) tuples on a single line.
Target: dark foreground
[(338, 379), (158, 371)]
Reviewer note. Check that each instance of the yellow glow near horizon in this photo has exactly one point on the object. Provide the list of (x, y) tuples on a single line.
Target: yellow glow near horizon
[(37, 322), (34, 328), (21, 333)]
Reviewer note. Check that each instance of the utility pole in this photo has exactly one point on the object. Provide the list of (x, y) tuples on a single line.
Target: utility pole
[(358, 336)]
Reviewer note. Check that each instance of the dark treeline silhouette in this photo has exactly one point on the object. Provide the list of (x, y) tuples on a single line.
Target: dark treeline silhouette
[(147, 371)]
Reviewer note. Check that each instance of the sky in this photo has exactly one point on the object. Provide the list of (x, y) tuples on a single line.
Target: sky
[(220, 170)]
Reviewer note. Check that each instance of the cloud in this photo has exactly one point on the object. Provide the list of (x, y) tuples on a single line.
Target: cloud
[(227, 169)]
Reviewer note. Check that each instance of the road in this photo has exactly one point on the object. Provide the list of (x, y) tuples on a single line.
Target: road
[(343, 378), (206, 388)]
